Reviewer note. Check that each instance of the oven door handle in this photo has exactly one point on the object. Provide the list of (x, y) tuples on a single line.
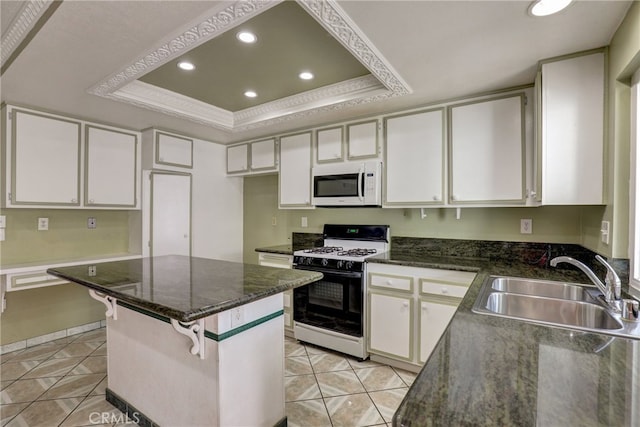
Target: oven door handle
[(328, 271)]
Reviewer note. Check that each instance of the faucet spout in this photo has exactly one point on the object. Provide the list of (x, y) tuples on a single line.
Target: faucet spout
[(610, 288)]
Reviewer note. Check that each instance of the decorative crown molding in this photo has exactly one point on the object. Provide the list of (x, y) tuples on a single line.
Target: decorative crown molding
[(20, 27), (384, 81)]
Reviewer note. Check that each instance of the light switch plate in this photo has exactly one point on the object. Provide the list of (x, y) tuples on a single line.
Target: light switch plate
[(3, 221), (526, 226), (43, 224)]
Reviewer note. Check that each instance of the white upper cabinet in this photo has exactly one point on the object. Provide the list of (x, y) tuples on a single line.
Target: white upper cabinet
[(252, 157), (263, 155), (362, 140), (571, 138), (329, 145), (56, 162), (174, 150), (295, 171), (487, 151), (43, 160), (238, 158), (111, 168), (414, 159)]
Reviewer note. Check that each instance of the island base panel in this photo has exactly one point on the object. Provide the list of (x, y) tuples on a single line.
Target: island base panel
[(240, 381)]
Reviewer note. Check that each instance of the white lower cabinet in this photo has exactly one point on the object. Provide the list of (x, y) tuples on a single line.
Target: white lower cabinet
[(409, 309), (281, 261), (390, 326)]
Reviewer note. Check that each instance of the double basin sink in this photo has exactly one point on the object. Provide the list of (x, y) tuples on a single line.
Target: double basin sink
[(551, 303)]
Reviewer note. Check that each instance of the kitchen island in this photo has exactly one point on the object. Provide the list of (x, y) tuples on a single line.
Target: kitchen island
[(193, 341), (491, 371)]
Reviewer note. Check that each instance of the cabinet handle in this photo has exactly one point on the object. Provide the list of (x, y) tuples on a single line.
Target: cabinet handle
[(90, 201), (454, 197), (390, 282), (336, 156), (436, 198), (445, 291), (405, 304), (74, 200), (424, 307)]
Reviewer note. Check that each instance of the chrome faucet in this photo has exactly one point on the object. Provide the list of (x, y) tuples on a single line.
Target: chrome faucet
[(611, 287)]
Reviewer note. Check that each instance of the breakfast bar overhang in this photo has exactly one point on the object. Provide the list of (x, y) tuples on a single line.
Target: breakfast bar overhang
[(193, 341)]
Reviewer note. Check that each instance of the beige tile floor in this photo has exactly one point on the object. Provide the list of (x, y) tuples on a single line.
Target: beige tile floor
[(62, 383)]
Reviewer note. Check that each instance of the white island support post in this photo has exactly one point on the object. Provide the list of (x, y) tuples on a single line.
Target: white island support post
[(238, 381)]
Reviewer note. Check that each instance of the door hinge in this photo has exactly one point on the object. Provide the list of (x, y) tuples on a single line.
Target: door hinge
[(10, 115), (10, 199), (526, 100)]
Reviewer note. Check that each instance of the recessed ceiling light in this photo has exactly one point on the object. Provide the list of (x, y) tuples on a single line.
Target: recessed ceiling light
[(547, 7), (305, 75), (186, 65), (246, 37), (250, 94)]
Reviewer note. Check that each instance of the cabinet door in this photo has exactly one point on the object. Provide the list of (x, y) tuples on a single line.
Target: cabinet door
[(390, 325), (45, 160), (414, 159), (329, 145), (173, 150), (362, 140), (238, 158), (487, 151), (434, 318), (263, 155), (111, 168), (170, 214), (573, 131), (295, 170)]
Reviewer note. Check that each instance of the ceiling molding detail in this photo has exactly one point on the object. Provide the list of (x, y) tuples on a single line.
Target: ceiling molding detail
[(337, 22), (21, 26), (382, 83)]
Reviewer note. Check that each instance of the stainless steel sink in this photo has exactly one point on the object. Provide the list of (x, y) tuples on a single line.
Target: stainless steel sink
[(551, 311), (552, 303), (542, 288)]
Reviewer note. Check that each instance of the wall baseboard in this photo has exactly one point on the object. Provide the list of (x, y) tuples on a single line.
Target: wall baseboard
[(21, 345)]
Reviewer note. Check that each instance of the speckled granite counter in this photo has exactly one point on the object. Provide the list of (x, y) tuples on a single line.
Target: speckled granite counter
[(492, 371), (277, 249), (185, 288)]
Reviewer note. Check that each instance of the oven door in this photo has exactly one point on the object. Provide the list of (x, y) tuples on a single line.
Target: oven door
[(335, 302)]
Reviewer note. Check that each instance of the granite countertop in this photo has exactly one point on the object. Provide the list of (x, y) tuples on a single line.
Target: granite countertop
[(286, 249), (185, 288), (488, 370)]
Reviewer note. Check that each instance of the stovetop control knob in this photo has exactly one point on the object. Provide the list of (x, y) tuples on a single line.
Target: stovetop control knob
[(349, 265), (340, 263), (324, 262), (309, 260)]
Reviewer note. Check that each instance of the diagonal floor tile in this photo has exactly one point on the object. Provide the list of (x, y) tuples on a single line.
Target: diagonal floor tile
[(26, 390), (73, 386), (45, 413), (328, 362), (100, 351), (91, 365), (387, 401), (38, 352), (299, 365), (379, 378), (293, 348), (407, 377), (307, 413), (101, 388), (76, 349), (301, 387), (353, 411), (339, 383), (14, 370), (53, 368), (9, 411), (94, 335)]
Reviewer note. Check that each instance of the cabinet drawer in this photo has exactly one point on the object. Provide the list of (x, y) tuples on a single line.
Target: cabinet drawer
[(443, 288), (16, 282), (399, 283)]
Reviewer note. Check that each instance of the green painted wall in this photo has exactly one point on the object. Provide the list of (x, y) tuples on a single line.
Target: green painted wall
[(35, 312), (624, 59), (554, 224)]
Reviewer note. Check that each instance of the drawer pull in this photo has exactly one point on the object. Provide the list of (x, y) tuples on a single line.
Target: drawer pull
[(445, 291), (390, 282)]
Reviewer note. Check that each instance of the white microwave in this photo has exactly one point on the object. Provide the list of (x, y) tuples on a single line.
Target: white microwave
[(347, 184)]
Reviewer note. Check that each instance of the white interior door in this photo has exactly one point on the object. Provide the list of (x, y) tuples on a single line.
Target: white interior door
[(170, 214)]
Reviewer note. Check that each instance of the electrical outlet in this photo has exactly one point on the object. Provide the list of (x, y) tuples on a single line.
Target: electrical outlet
[(2, 235), (91, 223), (303, 222), (604, 232), (3, 221), (274, 221), (237, 316), (526, 226), (43, 224), (92, 270)]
